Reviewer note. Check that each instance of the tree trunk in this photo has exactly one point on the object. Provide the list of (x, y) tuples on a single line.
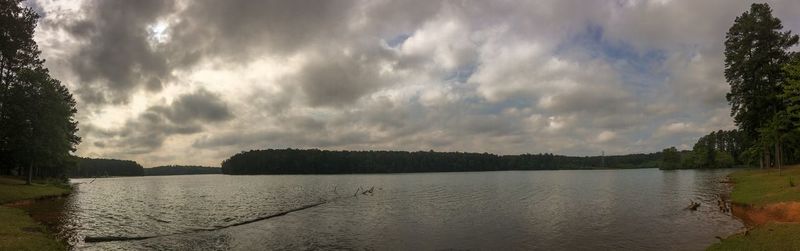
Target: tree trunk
[(767, 161), (777, 159), (779, 155), (30, 174), (761, 161)]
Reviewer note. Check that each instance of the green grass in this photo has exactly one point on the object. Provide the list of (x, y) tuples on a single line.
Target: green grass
[(21, 232), (758, 188), (18, 230), (773, 236), (14, 190), (761, 187)]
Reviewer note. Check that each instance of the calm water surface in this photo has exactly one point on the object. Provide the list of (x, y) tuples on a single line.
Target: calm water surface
[(544, 210)]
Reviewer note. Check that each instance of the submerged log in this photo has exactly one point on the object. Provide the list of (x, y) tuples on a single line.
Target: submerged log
[(693, 205), (369, 191)]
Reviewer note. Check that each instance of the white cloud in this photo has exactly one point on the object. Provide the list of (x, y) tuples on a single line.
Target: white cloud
[(569, 77)]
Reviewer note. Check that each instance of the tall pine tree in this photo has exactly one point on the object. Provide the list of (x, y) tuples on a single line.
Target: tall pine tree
[(756, 49), (37, 125)]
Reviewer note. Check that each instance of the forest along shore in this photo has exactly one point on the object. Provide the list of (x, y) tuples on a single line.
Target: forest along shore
[(768, 202), (19, 230)]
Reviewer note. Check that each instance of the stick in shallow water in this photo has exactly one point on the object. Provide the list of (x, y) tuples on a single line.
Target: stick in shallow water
[(91, 239)]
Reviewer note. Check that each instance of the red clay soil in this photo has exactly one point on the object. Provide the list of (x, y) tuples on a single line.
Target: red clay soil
[(776, 212)]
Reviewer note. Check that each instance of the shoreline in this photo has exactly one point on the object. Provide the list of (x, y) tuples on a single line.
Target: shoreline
[(768, 204), (21, 230)]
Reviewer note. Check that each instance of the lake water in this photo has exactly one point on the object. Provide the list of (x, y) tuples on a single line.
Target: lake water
[(639, 209)]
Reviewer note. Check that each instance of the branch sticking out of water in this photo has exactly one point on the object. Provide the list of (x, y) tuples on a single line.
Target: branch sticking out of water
[(92, 239)]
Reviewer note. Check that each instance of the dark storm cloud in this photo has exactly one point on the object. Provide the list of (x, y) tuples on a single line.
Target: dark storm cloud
[(200, 106), (240, 29), (340, 66), (188, 114), (283, 139), (334, 81), (116, 56)]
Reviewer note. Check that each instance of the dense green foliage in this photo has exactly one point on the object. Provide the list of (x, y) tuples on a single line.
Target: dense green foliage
[(88, 167), (181, 170), (764, 101), (670, 158), (791, 91), (313, 161), (755, 53), (37, 126), (720, 149), (756, 59)]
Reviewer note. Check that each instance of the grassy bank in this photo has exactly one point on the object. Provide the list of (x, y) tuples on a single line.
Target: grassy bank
[(760, 187), (18, 230), (758, 190)]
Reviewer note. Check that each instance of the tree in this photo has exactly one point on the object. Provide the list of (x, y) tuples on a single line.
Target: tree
[(314, 161), (17, 51), (755, 52), (720, 149), (670, 158), (37, 125), (791, 92), (783, 128), (88, 167), (723, 160)]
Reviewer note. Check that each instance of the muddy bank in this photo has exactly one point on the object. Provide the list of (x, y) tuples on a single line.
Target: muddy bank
[(28, 202), (49, 211), (776, 212)]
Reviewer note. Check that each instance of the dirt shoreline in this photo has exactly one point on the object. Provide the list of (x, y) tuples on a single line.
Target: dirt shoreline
[(26, 202), (781, 212)]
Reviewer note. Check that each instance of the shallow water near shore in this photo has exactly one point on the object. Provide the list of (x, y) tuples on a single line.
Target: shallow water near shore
[(642, 209)]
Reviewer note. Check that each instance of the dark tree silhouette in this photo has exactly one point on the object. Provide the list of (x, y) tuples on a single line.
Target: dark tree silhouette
[(756, 50), (181, 170), (313, 161), (37, 126), (88, 167), (670, 158)]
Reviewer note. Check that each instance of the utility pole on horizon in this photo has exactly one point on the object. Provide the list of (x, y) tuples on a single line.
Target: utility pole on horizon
[(603, 159)]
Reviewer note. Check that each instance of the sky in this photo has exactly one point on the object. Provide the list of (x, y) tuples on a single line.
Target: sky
[(196, 81)]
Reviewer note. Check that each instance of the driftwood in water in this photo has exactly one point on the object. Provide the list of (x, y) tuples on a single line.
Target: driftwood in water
[(115, 238), (133, 238), (693, 205), (723, 204), (371, 189)]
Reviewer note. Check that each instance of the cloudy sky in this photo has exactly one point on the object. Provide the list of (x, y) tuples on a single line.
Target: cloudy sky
[(195, 81)]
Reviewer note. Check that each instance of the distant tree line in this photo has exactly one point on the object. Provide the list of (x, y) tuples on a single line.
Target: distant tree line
[(37, 124), (88, 167), (720, 149), (181, 170), (314, 161), (764, 76)]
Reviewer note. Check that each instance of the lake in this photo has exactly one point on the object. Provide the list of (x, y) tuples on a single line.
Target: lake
[(641, 209)]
